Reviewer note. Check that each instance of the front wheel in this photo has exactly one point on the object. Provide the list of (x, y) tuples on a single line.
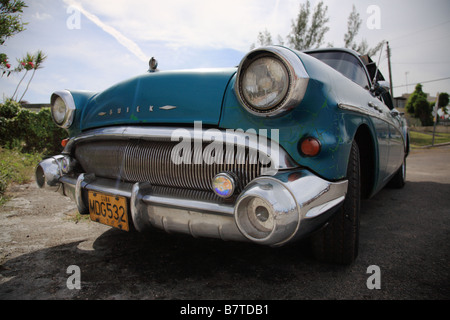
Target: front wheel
[(338, 241)]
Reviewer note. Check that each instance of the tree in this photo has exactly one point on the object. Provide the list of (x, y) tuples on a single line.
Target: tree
[(353, 24), (423, 111), (443, 100), (305, 35), (31, 62), (418, 106), (10, 18), (11, 24), (413, 97), (4, 64), (264, 39)]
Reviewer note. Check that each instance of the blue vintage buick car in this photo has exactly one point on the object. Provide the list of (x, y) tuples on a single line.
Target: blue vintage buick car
[(280, 148)]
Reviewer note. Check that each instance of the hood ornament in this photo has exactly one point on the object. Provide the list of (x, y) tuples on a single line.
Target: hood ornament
[(153, 64)]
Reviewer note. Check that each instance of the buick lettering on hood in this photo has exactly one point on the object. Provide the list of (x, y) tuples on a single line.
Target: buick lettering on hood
[(279, 149)]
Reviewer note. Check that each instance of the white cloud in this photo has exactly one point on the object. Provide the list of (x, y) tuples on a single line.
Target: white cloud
[(197, 23), (118, 37), (132, 46)]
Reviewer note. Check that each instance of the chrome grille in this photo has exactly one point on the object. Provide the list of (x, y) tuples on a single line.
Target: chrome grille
[(150, 161)]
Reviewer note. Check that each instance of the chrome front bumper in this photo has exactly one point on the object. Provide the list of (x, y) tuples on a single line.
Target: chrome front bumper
[(271, 210)]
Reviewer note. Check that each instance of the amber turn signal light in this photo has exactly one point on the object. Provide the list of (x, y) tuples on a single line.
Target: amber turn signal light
[(64, 142), (310, 146)]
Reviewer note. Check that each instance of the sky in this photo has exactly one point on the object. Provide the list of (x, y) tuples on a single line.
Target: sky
[(91, 45)]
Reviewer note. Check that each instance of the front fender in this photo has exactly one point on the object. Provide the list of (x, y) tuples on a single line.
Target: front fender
[(81, 99), (318, 115)]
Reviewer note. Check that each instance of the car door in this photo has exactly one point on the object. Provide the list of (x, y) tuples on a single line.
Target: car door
[(396, 143), (379, 114), (396, 140)]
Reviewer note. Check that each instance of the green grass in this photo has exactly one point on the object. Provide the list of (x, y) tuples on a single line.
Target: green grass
[(15, 167), (77, 217), (420, 139)]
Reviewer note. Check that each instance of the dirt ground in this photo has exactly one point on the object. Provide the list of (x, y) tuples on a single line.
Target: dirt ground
[(404, 232)]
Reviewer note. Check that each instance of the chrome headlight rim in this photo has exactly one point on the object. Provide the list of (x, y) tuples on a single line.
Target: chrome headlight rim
[(297, 80), (70, 108), (244, 70)]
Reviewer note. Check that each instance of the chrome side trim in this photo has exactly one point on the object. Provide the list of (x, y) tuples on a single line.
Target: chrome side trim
[(366, 112), (321, 208)]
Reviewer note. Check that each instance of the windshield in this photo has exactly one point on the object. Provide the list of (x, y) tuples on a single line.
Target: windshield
[(345, 63)]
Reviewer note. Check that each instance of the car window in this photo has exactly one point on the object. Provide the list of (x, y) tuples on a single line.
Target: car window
[(345, 63)]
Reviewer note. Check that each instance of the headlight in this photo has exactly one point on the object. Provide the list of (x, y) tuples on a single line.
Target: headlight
[(265, 83), (271, 81), (59, 110), (63, 108)]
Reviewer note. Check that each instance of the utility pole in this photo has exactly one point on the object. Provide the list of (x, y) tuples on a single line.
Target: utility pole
[(406, 79), (389, 66), (436, 105)]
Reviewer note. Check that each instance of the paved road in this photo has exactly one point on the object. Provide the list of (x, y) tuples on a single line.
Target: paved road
[(404, 233)]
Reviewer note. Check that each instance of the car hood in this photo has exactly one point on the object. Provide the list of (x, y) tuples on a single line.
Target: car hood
[(171, 97)]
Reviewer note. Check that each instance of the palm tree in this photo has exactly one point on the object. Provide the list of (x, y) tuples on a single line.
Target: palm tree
[(35, 64), (23, 64)]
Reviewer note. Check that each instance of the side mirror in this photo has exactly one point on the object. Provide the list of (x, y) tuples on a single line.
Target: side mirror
[(385, 85), (396, 113), (380, 87)]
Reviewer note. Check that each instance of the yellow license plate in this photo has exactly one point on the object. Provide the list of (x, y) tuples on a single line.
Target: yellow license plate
[(109, 210)]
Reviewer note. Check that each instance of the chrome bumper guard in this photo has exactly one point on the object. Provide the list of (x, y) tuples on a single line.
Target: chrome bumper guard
[(271, 210)]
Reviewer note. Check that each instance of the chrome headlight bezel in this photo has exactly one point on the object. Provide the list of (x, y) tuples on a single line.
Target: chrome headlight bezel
[(297, 81), (65, 118)]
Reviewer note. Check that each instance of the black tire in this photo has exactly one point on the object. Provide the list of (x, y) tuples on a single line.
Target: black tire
[(338, 241), (399, 179)]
